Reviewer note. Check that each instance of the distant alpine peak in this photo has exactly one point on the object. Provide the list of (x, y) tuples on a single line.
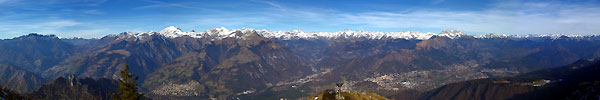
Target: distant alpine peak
[(492, 35), (173, 32), (217, 32), (220, 33), (452, 34)]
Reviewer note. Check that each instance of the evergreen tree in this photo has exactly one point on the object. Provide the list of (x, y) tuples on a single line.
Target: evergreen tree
[(127, 86)]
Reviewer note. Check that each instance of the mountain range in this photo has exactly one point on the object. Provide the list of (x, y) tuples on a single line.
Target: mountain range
[(577, 81), (246, 63)]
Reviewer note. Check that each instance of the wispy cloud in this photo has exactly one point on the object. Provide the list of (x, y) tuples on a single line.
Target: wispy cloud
[(270, 3), (94, 2), (61, 23), (8, 25), (2, 2), (9, 2), (88, 33), (437, 1), (46, 27), (509, 17), (93, 11), (271, 15), (502, 17), (160, 4)]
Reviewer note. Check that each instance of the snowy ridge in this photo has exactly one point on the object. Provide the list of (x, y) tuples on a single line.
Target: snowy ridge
[(173, 32), (344, 34), (452, 34), (552, 36), (220, 33)]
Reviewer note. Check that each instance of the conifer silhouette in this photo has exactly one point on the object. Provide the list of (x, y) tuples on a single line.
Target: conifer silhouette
[(127, 86)]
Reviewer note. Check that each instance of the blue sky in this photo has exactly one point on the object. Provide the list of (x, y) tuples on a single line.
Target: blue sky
[(97, 18)]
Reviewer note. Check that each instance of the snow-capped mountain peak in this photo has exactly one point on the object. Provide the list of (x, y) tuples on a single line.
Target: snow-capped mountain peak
[(171, 32), (218, 32), (221, 33), (452, 34), (492, 35)]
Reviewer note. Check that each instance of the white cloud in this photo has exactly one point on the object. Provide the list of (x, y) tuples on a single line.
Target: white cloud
[(60, 23), (273, 4), (511, 18), (45, 27), (88, 33), (159, 4), (501, 17), (269, 15), (51, 24), (437, 1), (2, 2), (94, 12)]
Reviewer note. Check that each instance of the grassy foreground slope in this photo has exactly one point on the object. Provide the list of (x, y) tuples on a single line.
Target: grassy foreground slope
[(351, 95)]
